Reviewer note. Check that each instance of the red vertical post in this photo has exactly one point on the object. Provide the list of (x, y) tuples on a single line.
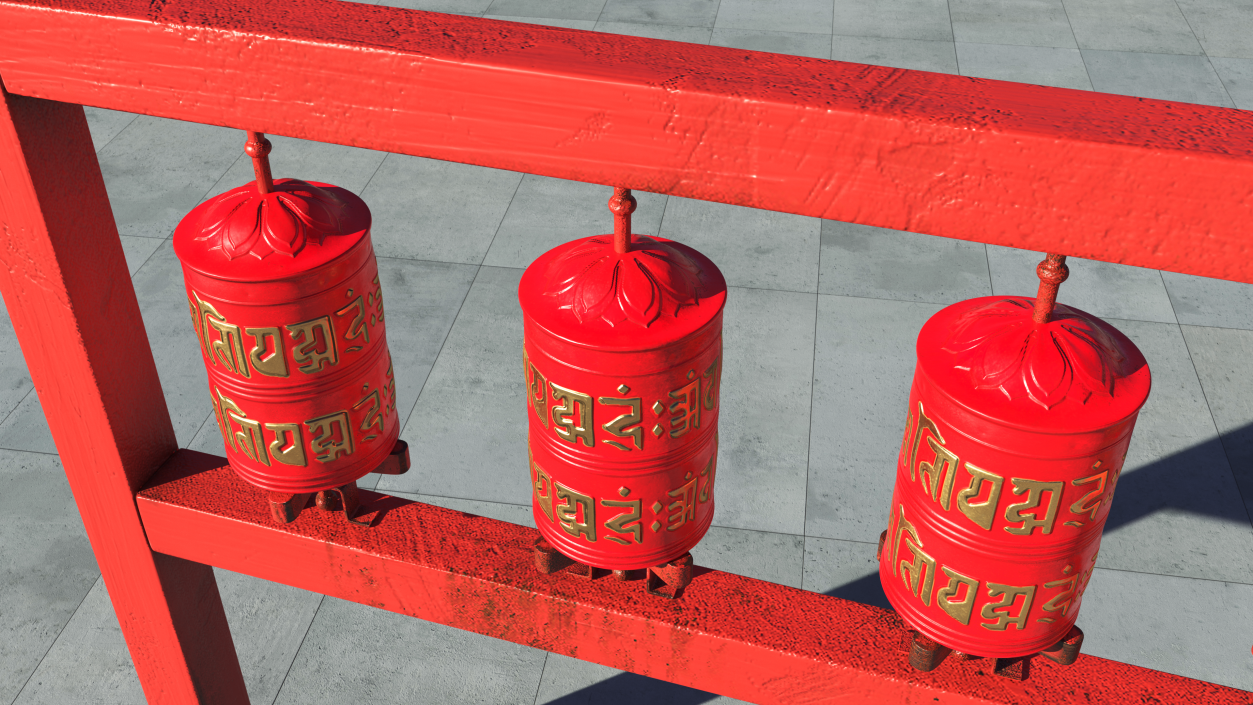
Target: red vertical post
[(68, 292)]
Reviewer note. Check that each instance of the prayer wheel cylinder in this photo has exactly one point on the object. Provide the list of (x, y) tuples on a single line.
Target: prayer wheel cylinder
[(622, 361), (1016, 434), (284, 294)]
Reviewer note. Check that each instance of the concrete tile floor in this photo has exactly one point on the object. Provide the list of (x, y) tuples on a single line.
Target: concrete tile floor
[(819, 351)]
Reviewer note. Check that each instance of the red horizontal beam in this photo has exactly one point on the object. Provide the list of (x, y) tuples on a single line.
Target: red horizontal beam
[(728, 634), (1143, 182)]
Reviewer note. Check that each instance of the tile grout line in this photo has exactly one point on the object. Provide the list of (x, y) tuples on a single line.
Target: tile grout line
[(948, 5), (134, 117), (540, 684), (298, 648), (60, 631), (371, 179), (1083, 59), (813, 372), (1205, 53), (1231, 466), (1170, 301)]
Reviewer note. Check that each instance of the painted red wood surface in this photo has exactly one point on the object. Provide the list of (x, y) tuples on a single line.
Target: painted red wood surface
[(1144, 182), (729, 634), (68, 293)]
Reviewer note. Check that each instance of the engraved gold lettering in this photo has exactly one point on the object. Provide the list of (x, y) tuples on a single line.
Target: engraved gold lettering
[(940, 473), (1061, 601), (576, 512), (713, 382), (373, 418), (289, 435), (904, 454), (541, 482), (389, 387), (249, 439), (228, 349), (1008, 595), (356, 326), (981, 513), (923, 424), (1035, 490), (685, 413), (539, 389), (274, 364), (375, 299), (619, 426), (573, 419), (332, 436), (958, 609), (683, 508), (315, 345), (198, 324), (711, 469), (918, 574), (1083, 506), (626, 523)]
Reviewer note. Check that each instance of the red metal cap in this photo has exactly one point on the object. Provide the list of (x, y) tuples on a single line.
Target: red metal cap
[(622, 292), (1071, 373)]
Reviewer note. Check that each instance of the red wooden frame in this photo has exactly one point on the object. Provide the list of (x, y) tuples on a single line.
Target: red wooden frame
[(1150, 183)]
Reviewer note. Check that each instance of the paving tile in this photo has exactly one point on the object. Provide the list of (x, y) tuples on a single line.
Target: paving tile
[(1040, 23), (1042, 66), (768, 347), (916, 54), (561, 9), (674, 33), (435, 210), (1201, 301), (355, 653), (569, 681), (1100, 288), (458, 7), (513, 513), (692, 13), (776, 16), (1178, 509), (547, 212), (156, 170), (268, 622), (1221, 359), (817, 46), (878, 263), (862, 371), (1194, 628), (546, 21), (90, 661), (1155, 26), (899, 19), (290, 158), (1222, 26), (15, 382), (467, 434), (1237, 78), (753, 248), (46, 563), (106, 124), (1188, 79), (775, 558), (844, 569)]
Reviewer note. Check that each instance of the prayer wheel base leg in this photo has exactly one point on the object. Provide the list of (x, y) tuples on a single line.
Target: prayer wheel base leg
[(669, 579), (1018, 669), (344, 497), (926, 654), (286, 507), (1066, 651)]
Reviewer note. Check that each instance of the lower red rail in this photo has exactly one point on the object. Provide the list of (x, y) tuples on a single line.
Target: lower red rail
[(728, 634)]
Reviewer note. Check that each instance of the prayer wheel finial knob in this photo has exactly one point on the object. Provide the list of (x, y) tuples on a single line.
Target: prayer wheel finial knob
[(1052, 272), (622, 205), (258, 147)]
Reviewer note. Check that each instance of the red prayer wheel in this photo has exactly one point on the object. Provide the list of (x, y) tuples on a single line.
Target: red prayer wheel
[(623, 360), (1020, 415), (284, 294)]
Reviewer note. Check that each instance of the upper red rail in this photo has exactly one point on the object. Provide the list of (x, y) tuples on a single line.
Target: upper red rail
[(1143, 182)]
